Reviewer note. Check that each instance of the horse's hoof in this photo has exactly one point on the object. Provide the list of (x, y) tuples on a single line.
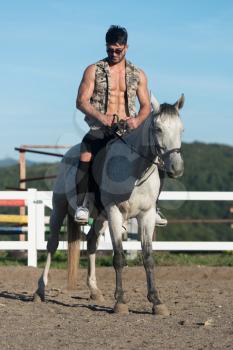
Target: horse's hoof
[(38, 298), (161, 310), (97, 297), (122, 309)]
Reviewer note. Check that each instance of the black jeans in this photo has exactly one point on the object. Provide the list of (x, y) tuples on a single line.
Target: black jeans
[(93, 142)]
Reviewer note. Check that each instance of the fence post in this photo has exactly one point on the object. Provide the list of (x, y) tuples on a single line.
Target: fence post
[(40, 222), (32, 249), (133, 231)]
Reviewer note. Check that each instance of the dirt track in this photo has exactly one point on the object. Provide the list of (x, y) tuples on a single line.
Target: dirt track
[(199, 299)]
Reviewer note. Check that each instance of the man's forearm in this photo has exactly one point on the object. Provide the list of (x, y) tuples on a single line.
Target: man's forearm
[(143, 113), (89, 110)]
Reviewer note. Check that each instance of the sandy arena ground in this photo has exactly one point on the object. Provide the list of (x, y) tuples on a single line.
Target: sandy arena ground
[(199, 299)]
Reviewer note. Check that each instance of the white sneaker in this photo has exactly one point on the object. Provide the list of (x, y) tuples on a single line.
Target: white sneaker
[(81, 215), (160, 219)]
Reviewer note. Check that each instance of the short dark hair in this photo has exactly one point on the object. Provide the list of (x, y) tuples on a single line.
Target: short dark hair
[(116, 34)]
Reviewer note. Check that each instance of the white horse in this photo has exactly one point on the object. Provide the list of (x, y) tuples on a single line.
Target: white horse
[(129, 189)]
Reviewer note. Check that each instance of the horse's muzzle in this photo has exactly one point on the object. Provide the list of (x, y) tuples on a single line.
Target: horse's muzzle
[(175, 168), (176, 174)]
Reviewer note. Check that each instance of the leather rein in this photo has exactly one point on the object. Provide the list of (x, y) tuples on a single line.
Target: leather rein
[(121, 127)]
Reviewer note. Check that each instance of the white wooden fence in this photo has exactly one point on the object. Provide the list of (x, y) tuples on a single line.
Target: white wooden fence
[(37, 201)]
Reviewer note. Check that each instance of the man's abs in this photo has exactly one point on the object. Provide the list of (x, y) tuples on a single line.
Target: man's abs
[(117, 104)]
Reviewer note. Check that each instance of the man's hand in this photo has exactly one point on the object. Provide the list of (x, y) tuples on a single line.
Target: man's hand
[(133, 122), (108, 120)]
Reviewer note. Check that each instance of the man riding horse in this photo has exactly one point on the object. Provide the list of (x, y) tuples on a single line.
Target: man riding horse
[(107, 93)]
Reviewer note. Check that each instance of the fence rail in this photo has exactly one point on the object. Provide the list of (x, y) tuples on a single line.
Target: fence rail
[(36, 201)]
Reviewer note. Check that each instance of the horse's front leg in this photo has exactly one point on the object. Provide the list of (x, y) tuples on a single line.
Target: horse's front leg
[(115, 226), (146, 224)]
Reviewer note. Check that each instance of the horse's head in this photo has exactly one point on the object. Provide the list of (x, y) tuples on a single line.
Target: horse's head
[(168, 129)]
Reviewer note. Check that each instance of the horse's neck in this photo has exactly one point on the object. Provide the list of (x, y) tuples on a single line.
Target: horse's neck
[(142, 144)]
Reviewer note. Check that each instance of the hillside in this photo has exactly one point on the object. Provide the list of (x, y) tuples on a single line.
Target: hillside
[(7, 162), (208, 167)]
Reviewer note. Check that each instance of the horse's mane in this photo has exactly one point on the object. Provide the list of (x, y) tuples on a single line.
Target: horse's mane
[(168, 110)]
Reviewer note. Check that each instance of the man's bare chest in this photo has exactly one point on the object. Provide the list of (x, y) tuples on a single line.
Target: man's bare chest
[(118, 82)]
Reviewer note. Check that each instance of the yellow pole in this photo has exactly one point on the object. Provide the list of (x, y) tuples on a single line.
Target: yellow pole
[(14, 219)]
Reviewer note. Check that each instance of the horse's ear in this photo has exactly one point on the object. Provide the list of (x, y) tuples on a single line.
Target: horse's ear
[(179, 103), (154, 103)]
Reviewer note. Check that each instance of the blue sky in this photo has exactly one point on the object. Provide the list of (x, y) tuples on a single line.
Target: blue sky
[(183, 46)]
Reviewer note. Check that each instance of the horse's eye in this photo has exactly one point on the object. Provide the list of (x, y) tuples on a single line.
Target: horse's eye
[(157, 129)]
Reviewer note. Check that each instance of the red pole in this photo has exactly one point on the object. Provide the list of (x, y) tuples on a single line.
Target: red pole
[(12, 202)]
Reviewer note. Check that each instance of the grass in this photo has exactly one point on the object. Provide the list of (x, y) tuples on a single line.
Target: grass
[(59, 260)]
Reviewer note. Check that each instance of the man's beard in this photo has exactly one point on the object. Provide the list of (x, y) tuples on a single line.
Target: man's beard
[(113, 62)]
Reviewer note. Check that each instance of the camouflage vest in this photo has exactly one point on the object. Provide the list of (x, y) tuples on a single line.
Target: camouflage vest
[(102, 89)]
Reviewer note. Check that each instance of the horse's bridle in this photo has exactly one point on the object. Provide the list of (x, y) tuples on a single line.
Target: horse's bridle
[(121, 127), (161, 152)]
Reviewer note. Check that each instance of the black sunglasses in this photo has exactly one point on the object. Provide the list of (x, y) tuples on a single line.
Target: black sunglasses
[(116, 51)]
